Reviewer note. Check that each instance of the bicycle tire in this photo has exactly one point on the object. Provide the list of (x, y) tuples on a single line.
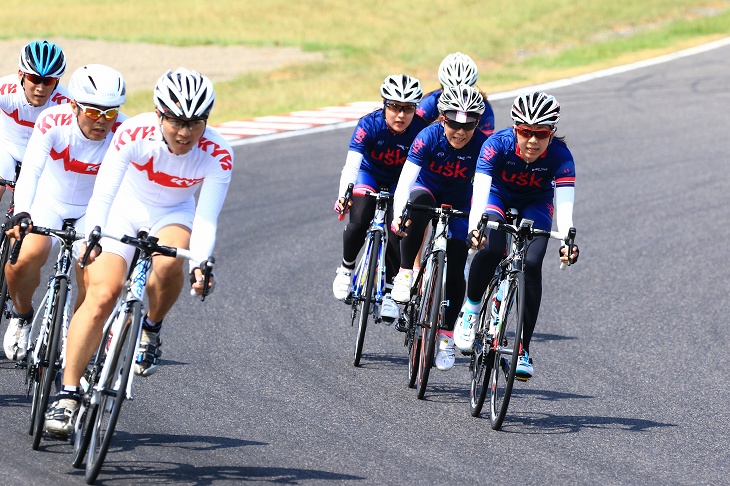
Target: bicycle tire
[(87, 413), (4, 295), (482, 354), (510, 332), (413, 336), (365, 301), (109, 407), (432, 301), (32, 380), (48, 373)]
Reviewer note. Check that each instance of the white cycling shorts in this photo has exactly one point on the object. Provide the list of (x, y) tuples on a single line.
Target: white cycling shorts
[(7, 164), (127, 216)]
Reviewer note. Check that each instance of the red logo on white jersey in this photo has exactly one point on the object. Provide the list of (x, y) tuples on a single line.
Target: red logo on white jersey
[(163, 179), (74, 165), (223, 155), (132, 134)]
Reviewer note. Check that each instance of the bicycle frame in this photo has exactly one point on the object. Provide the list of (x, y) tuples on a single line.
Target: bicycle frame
[(359, 282)]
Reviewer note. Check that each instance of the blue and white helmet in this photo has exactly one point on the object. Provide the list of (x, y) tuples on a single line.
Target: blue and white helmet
[(42, 58), (536, 108), (184, 93)]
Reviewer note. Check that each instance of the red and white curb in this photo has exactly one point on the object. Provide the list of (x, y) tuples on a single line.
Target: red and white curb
[(266, 128)]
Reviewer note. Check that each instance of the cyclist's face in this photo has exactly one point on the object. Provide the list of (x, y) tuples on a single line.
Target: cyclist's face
[(93, 129), (37, 94), (181, 134), (399, 115), (458, 137), (533, 140)]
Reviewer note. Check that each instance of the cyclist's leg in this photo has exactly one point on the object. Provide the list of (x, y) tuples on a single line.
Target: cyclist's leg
[(25, 276), (361, 213), (410, 244), (7, 167), (167, 277)]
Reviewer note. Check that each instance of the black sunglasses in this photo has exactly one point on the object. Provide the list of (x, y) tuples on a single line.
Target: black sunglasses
[(468, 126)]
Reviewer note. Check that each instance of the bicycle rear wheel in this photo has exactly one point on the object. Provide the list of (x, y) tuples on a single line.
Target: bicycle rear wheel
[(365, 301), (506, 350), (431, 300), (482, 357), (413, 338), (112, 395), (47, 370)]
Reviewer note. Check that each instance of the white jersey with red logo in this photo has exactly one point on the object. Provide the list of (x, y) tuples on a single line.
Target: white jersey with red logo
[(60, 164), (139, 167), (17, 116)]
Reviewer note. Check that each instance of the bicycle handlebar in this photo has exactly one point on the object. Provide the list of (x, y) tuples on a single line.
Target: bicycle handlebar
[(444, 209), (348, 198), (526, 230), (15, 250), (8, 183)]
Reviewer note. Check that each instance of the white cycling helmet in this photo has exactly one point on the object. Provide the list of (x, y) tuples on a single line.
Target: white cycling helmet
[(401, 87), (42, 58), (464, 100), (456, 69), (184, 93), (536, 108), (97, 84)]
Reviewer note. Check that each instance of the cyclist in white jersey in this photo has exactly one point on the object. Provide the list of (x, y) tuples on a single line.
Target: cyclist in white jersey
[(60, 166), (156, 163), (23, 96)]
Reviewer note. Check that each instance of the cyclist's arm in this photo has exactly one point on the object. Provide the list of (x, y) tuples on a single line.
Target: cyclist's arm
[(36, 155), (482, 186), (349, 171), (564, 197), (205, 223), (407, 178)]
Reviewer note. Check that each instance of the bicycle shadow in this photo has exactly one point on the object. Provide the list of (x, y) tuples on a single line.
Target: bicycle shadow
[(14, 401), (545, 337), (546, 423), (136, 472)]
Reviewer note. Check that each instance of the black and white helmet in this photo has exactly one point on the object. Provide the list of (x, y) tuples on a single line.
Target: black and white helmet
[(456, 69), (184, 93), (98, 85), (401, 87), (462, 98), (42, 58), (536, 108)]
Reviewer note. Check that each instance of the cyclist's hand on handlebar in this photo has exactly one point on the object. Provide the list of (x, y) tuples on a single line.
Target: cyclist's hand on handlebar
[(196, 281), (92, 254), (340, 205), (573, 256), (395, 226), (473, 235), (13, 225)]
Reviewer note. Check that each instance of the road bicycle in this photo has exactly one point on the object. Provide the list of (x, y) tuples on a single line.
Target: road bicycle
[(48, 330), (498, 340), (368, 279), (107, 381), (424, 312)]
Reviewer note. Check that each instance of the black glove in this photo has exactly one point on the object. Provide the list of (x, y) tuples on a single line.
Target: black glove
[(16, 219)]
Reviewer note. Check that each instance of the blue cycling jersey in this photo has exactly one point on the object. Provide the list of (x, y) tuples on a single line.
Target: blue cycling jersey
[(445, 171), (384, 151), (428, 110), (513, 178)]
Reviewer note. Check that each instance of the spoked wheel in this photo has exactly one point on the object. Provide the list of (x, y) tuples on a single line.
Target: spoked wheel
[(84, 420), (507, 349), (413, 336), (4, 296), (482, 356), (112, 395), (366, 299), (431, 300), (47, 370)]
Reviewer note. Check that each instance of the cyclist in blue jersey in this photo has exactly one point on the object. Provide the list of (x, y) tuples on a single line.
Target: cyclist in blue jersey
[(378, 149), (526, 167), (439, 170), (456, 69)]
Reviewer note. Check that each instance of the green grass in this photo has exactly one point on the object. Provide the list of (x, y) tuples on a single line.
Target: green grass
[(513, 42)]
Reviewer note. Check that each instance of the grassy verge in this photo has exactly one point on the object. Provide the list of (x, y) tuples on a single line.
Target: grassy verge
[(513, 43)]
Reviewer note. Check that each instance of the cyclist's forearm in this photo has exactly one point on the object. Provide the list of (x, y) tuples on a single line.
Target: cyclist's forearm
[(349, 171), (408, 177), (564, 197), (482, 186)]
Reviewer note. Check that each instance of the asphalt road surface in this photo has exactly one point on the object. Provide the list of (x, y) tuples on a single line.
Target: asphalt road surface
[(631, 383)]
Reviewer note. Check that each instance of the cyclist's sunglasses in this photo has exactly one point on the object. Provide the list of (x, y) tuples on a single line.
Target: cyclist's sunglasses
[(540, 134), (35, 79), (96, 113), (396, 108), (455, 125)]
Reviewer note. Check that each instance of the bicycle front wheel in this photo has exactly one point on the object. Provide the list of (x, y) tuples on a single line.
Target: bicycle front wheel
[(113, 390), (506, 350), (431, 300), (365, 301), (482, 357), (87, 413), (47, 370), (4, 296)]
